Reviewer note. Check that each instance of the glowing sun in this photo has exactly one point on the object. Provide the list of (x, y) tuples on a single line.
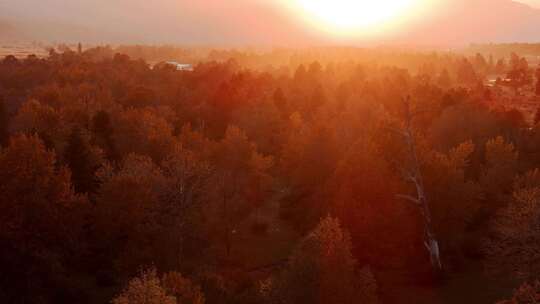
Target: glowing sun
[(353, 16)]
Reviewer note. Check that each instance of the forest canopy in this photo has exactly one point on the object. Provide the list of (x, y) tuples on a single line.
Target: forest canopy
[(324, 175)]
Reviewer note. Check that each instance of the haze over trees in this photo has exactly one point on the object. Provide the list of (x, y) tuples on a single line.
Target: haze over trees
[(322, 175)]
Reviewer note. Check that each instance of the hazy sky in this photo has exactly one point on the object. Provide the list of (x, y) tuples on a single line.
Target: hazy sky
[(535, 3), (244, 22), (192, 21)]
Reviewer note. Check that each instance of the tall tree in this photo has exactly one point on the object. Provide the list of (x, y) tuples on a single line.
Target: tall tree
[(145, 289), (466, 74), (4, 124), (413, 174), (454, 197), (519, 73), (280, 101), (41, 222), (362, 191), (188, 181), (131, 196), (322, 270), (501, 165), (538, 81), (444, 79), (240, 169), (513, 247), (185, 291), (103, 133), (171, 288), (537, 116), (79, 159), (144, 132)]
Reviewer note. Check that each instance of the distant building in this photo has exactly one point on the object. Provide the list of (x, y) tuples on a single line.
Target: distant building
[(179, 66)]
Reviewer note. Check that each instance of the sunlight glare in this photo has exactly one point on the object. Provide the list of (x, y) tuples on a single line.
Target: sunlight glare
[(353, 16)]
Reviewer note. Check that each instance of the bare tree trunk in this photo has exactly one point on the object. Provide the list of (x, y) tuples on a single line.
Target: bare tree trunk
[(413, 174)]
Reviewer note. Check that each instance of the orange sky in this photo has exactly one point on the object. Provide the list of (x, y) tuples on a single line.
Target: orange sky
[(255, 22)]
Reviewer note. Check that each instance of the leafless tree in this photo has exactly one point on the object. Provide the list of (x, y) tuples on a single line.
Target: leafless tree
[(412, 173)]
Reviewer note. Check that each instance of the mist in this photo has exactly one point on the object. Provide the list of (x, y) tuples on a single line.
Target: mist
[(246, 22)]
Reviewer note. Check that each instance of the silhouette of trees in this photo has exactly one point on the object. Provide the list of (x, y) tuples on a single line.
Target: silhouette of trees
[(519, 73), (466, 73)]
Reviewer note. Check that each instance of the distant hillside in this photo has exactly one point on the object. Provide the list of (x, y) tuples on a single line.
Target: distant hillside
[(41, 30), (455, 22), (483, 21), (239, 22)]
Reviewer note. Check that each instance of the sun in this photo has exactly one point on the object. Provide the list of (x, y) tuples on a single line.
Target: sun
[(352, 16)]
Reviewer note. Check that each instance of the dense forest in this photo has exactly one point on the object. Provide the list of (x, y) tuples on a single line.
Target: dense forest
[(287, 176)]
